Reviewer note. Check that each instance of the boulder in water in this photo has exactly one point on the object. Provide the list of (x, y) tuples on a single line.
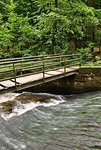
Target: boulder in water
[(7, 106), (25, 98), (31, 97)]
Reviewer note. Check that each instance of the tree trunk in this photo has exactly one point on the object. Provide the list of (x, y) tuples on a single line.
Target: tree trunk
[(56, 3), (54, 31)]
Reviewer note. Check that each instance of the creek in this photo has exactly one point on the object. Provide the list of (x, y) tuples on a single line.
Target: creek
[(71, 122)]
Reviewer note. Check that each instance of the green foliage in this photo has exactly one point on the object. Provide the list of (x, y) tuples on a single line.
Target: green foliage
[(16, 32), (85, 55), (35, 27)]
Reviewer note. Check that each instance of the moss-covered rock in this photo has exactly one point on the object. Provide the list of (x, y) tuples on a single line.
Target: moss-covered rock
[(7, 106), (25, 98), (31, 97)]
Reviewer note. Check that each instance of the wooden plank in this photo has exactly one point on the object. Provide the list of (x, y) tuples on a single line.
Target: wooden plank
[(31, 78), (7, 83)]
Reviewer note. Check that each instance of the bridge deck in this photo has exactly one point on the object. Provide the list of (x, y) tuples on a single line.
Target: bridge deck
[(36, 79)]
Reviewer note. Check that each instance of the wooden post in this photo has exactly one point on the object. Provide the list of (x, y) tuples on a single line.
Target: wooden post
[(80, 63), (14, 71), (64, 66), (43, 68), (60, 61), (21, 66)]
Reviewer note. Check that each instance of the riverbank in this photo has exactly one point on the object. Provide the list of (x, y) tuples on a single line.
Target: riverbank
[(88, 79)]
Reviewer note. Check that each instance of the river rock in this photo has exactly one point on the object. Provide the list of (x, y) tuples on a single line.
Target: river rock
[(33, 97), (25, 98), (7, 106)]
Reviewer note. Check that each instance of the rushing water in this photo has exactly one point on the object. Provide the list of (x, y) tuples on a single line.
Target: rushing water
[(66, 123)]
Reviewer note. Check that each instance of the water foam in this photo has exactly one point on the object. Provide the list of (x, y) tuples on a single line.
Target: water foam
[(8, 97), (20, 108)]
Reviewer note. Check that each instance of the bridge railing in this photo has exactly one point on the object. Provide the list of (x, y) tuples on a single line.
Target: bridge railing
[(19, 67)]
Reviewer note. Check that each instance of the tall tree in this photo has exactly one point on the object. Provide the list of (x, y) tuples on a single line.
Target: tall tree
[(47, 26), (16, 32)]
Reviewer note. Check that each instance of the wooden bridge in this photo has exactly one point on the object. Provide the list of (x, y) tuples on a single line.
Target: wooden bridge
[(20, 73)]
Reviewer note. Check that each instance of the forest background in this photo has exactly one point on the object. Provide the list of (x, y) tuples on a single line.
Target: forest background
[(38, 27)]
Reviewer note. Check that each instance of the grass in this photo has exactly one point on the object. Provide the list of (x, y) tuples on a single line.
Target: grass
[(91, 63)]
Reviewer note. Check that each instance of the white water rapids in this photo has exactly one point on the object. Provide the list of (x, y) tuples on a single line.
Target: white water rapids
[(64, 123), (20, 108)]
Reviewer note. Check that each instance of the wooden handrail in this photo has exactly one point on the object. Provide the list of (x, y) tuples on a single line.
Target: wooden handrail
[(19, 67), (25, 59)]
